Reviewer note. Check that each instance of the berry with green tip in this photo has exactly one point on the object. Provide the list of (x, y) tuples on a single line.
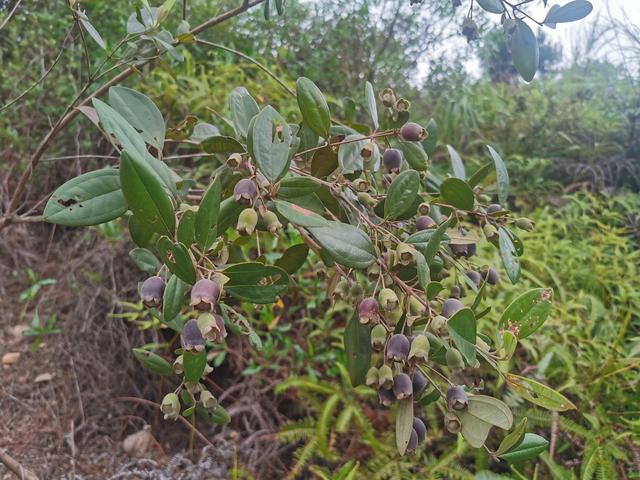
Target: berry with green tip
[(392, 160), (402, 386), (385, 377), (451, 306), (204, 294), (368, 311), (247, 221), (245, 191), (191, 337), (170, 406), (208, 401), (420, 428), (272, 222), (452, 423), (152, 291), (388, 299), (454, 359), (457, 399), (398, 348), (525, 224), (419, 350), (378, 337), (372, 377), (412, 132)]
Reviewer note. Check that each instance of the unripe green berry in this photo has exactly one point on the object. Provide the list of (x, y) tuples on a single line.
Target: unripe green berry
[(272, 222), (419, 351), (378, 337), (388, 299), (385, 377), (454, 359), (170, 406), (247, 221), (388, 97), (525, 224), (208, 400), (372, 377), (405, 254)]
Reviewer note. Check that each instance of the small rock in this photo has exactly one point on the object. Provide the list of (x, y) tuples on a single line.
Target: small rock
[(10, 358), (138, 444)]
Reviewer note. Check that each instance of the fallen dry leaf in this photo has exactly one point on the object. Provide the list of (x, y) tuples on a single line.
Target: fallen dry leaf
[(10, 358), (43, 377), (139, 444)]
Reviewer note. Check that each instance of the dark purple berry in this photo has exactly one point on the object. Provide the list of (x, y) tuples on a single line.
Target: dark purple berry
[(493, 277), (392, 160), (420, 428), (494, 208), (152, 291), (424, 222), (386, 397), (418, 381), (413, 441), (245, 191), (191, 337), (451, 306), (412, 132), (402, 386), (457, 399), (398, 348), (475, 277), (205, 294)]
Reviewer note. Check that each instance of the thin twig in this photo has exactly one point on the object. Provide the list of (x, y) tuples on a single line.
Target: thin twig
[(13, 10)]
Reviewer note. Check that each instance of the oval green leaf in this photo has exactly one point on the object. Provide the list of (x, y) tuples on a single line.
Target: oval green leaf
[(89, 199), (293, 258), (174, 298), (269, 139), (457, 193), (357, 348), (524, 50), (502, 176), (243, 108), (527, 313), (221, 144), (314, 107), (509, 255), (371, 104), (194, 365), (401, 193), (529, 447), (414, 154), (256, 282), (153, 362), (538, 393), (145, 260), (141, 113), (346, 244), (207, 216), (456, 163), (462, 328)]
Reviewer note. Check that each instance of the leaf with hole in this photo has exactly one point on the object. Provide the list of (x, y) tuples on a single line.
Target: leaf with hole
[(269, 139), (89, 199), (538, 393), (527, 312)]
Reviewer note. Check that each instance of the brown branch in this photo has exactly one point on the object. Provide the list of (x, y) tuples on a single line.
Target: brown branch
[(14, 466), (70, 113)]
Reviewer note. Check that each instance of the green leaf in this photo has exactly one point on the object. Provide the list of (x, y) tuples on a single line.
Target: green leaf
[(145, 194), (509, 255), (429, 144), (300, 215), (269, 139), (462, 328), (429, 242), (415, 155), (293, 258), (524, 50), (502, 176), (89, 199), (140, 235), (153, 362), (480, 174), (256, 282), (145, 260), (401, 193), (194, 365), (346, 244), (538, 393), (433, 289), (174, 298), (527, 313), (456, 163), (570, 12), (349, 158), (186, 228), (314, 108), (457, 193), (292, 187), (206, 230), (371, 104), (491, 6), (483, 413), (324, 162), (219, 416), (140, 112), (357, 348), (404, 424), (243, 108), (513, 438), (531, 446), (229, 212), (91, 30), (424, 275), (176, 257), (221, 144)]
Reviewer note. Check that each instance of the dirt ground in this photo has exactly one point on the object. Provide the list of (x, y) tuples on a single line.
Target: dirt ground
[(61, 407)]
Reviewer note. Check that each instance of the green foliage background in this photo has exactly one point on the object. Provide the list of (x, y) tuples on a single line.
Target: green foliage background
[(570, 140)]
